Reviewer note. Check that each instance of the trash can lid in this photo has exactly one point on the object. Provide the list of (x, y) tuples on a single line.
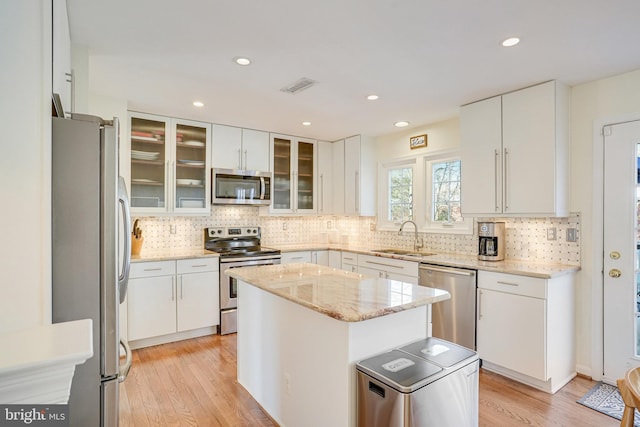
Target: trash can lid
[(442, 353), (399, 370)]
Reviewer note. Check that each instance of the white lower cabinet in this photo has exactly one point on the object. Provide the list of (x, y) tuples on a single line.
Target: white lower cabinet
[(349, 261), (170, 297), (526, 328), (335, 259), (298, 256), (313, 257), (388, 268)]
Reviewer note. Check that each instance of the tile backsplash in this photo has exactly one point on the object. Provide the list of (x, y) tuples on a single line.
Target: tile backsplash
[(526, 237)]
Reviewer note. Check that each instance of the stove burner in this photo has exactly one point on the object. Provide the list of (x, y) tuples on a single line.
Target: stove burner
[(236, 242)]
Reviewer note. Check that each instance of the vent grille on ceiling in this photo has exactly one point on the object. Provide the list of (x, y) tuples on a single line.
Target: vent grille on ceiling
[(298, 86)]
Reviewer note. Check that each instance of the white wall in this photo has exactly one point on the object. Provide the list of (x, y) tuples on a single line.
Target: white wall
[(591, 102), (25, 164), (440, 136)]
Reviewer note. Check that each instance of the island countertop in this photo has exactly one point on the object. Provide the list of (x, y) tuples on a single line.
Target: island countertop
[(342, 295)]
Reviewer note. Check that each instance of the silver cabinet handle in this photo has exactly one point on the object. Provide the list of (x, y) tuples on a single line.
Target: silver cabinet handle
[(479, 304), (505, 178), (507, 283), (124, 369), (199, 265), (244, 166), (495, 179), (239, 159), (384, 265), (153, 269), (357, 191), (181, 288), (173, 288), (321, 192)]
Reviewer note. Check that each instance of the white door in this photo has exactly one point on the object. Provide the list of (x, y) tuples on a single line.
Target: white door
[(621, 314)]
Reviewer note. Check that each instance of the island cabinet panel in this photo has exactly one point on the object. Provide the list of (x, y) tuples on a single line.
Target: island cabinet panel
[(172, 300), (303, 371), (515, 153), (526, 328)]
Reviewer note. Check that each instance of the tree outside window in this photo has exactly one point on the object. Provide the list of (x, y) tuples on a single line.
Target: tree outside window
[(446, 192), (400, 194)]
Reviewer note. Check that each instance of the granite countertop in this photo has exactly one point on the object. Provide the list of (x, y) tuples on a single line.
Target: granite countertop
[(342, 295), (518, 267), (169, 254)]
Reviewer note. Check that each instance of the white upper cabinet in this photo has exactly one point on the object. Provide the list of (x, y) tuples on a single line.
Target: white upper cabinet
[(515, 153), (237, 148), (359, 176), (325, 178), (294, 166), (338, 177), (170, 169), (255, 150)]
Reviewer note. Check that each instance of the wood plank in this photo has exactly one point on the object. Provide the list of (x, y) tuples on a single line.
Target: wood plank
[(193, 383)]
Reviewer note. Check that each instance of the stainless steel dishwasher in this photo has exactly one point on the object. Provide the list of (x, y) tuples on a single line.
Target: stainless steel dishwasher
[(454, 319)]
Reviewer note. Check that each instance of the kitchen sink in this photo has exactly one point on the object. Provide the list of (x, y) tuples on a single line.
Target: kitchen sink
[(402, 252)]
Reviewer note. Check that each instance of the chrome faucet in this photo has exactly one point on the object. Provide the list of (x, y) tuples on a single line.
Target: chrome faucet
[(416, 245)]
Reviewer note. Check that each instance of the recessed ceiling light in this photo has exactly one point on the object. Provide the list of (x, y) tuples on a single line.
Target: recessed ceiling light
[(306, 123), (241, 60), (511, 41), (198, 104), (372, 97), (401, 124)]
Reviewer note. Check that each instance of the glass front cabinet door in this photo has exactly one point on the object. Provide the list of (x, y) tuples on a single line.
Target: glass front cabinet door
[(294, 174), (170, 170)]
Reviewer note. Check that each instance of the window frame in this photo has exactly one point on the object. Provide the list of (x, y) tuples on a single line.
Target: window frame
[(427, 224), (384, 170)]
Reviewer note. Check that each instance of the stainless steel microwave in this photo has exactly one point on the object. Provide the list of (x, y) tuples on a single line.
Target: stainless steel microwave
[(240, 187)]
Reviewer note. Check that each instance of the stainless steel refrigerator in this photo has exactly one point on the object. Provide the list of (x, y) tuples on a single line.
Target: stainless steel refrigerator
[(91, 257)]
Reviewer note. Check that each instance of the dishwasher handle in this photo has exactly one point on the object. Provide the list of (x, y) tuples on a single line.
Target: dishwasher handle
[(460, 272)]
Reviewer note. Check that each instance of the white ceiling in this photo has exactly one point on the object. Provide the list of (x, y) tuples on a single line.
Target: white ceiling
[(424, 58)]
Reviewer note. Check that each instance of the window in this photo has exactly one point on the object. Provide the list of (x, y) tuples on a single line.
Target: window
[(425, 189), (445, 203), (400, 194)]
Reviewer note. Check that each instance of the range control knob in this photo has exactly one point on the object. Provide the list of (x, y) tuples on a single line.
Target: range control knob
[(219, 231), (255, 231)]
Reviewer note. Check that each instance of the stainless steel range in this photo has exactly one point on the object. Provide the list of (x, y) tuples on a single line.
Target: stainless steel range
[(238, 247)]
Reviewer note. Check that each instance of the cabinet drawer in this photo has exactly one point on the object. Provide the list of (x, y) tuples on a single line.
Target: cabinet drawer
[(300, 256), (197, 265), (151, 269), (395, 266), (349, 258), (510, 283)]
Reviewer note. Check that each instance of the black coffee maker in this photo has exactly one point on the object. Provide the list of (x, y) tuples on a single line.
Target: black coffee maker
[(491, 243)]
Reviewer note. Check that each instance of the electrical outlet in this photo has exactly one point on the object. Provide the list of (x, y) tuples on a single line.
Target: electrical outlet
[(172, 228), (285, 226), (328, 225), (571, 235), (372, 226), (551, 233)]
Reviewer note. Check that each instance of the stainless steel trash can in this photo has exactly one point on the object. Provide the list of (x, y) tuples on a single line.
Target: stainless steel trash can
[(431, 382)]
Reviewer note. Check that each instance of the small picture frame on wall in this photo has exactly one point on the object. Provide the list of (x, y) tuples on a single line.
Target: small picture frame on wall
[(418, 141)]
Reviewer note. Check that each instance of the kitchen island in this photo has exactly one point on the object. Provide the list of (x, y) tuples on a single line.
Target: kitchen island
[(302, 327)]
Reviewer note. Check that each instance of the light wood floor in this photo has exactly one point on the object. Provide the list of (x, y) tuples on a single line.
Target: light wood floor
[(193, 383)]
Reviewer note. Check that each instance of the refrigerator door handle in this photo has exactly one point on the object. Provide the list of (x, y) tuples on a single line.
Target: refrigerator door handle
[(124, 369), (123, 199)]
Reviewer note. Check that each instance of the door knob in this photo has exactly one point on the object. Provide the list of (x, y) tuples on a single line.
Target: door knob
[(614, 255), (615, 273)]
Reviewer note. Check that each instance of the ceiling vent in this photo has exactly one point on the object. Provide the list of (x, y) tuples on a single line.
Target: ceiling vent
[(298, 86)]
